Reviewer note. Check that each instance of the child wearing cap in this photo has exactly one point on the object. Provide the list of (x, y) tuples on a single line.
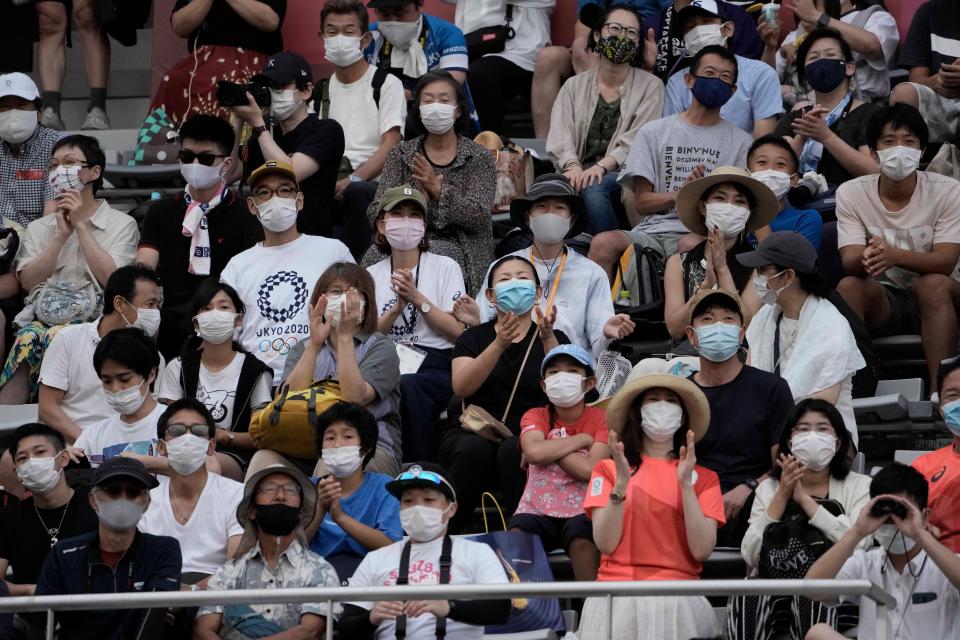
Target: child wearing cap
[(416, 291), (561, 443)]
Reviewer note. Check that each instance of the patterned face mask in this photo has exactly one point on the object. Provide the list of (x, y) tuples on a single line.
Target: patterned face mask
[(617, 50)]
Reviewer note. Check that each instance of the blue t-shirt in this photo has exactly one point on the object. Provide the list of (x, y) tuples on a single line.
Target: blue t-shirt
[(647, 9), (806, 222), (757, 95), (371, 504)]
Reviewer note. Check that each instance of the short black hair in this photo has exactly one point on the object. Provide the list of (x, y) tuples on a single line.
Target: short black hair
[(90, 147), (901, 478), (123, 283), (462, 123), (185, 404), (709, 302), (206, 128), (776, 141), (31, 429), (742, 189), (840, 464), (947, 366), (130, 347), (898, 116), (355, 416), (341, 7), (716, 50), (510, 258), (820, 34)]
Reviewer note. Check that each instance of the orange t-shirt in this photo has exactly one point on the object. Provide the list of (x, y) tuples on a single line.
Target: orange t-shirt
[(941, 468), (654, 541)]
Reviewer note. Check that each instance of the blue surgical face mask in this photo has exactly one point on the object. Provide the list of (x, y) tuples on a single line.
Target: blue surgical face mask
[(719, 341), (951, 415), (712, 93), (516, 295)]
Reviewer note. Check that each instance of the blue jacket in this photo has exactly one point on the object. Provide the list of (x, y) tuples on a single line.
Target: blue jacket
[(152, 563)]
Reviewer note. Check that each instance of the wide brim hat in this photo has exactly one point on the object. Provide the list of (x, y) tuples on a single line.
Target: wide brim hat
[(308, 502), (692, 192), (550, 185), (694, 402)]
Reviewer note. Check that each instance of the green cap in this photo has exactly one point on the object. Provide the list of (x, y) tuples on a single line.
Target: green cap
[(395, 195)]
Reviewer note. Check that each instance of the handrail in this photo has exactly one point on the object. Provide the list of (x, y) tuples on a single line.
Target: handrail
[(22, 604)]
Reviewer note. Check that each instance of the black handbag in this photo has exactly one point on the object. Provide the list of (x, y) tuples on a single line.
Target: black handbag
[(792, 545), (493, 39)]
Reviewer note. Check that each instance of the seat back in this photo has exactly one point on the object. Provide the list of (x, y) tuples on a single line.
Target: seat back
[(907, 456)]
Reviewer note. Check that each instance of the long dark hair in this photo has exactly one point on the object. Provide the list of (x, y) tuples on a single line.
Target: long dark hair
[(202, 296), (840, 465), (462, 123), (632, 435)]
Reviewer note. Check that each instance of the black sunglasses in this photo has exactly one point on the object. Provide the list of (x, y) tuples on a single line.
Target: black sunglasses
[(117, 489), (176, 430), (205, 157)]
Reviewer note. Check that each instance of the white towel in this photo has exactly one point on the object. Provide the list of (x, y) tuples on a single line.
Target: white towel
[(195, 228)]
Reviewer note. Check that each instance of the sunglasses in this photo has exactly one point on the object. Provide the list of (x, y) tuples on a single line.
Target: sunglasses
[(205, 157), (176, 430), (117, 490)]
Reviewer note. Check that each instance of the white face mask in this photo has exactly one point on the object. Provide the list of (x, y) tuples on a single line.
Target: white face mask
[(893, 540), (200, 176), (126, 401), (39, 475), (660, 420), (283, 103), (565, 389), (703, 36), (335, 306), (63, 179), (730, 218), (761, 287), (119, 515), (342, 461), (815, 450), (404, 234), (898, 163), (148, 321), (398, 33), (278, 214), (17, 125), (549, 227), (342, 50), (216, 326), (776, 181), (437, 117), (423, 523), (187, 453)]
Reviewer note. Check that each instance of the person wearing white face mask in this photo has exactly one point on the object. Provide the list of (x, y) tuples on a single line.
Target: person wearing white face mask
[(212, 368), (812, 486), (899, 239), (355, 514), (312, 145), (274, 277), (655, 509), (54, 511), (416, 293), (798, 333), (719, 210), (65, 260), (562, 443), (194, 505), (427, 502), (456, 174), (909, 563)]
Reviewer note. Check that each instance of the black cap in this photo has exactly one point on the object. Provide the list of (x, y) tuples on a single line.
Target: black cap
[(120, 467), (425, 475), (283, 68), (787, 249), (550, 185), (388, 4)]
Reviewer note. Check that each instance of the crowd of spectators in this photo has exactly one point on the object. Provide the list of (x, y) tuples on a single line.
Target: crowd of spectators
[(307, 367)]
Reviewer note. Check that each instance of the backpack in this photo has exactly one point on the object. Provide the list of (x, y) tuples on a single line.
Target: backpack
[(321, 93), (638, 284), (288, 424)]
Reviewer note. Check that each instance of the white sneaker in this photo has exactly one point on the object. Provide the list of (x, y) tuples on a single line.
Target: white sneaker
[(96, 119), (51, 119)]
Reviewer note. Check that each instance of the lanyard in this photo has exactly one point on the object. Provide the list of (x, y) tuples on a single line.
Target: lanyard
[(416, 283), (554, 280)]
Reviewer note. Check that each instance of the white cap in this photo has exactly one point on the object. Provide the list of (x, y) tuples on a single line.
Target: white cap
[(710, 6), (20, 85)]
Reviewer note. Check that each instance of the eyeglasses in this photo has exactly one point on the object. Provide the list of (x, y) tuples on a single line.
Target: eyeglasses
[(204, 157), (272, 489), (176, 430), (615, 29), (68, 162), (117, 490), (262, 194)]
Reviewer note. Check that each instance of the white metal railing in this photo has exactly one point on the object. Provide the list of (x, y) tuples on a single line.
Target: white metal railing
[(609, 590)]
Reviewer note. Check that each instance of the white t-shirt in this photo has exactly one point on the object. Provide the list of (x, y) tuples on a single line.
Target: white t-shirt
[(472, 563), (111, 437), (441, 283), (530, 22), (275, 284), (353, 106), (203, 539), (217, 391), (68, 365)]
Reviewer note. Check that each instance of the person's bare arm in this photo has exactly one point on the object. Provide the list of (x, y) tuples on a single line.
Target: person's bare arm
[(469, 374), (51, 413), (860, 40), (459, 76), (580, 466), (41, 267), (257, 14), (14, 588), (676, 310), (352, 385), (852, 258), (582, 59), (941, 259), (207, 627), (302, 375), (98, 259), (858, 162), (830, 394), (764, 126), (371, 169), (303, 165), (9, 285), (539, 450), (189, 18), (367, 536), (647, 202), (148, 256)]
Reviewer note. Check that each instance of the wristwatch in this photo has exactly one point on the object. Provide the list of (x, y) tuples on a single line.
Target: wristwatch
[(617, 498), (425, 308), (823, 21), (231, 435), (257, 131), (751, 483)]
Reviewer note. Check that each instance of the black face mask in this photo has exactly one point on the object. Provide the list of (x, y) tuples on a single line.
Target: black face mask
[(277, 519)]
